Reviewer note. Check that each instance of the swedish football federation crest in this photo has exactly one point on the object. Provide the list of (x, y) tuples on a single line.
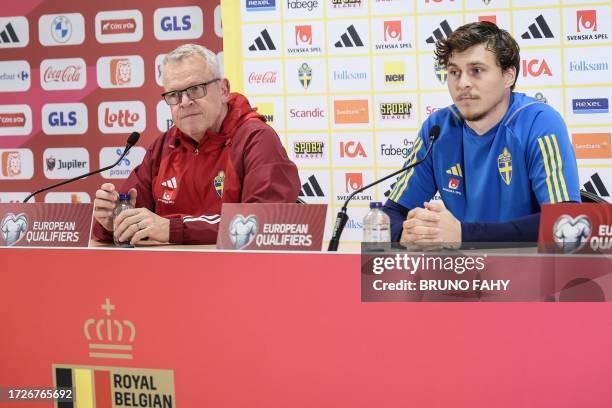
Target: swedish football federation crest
[(441, 72), (504, 165), (218, 182), (305, 75)]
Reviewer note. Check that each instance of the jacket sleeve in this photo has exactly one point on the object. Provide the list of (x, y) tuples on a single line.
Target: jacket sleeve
[(269, 176), (140, 179)]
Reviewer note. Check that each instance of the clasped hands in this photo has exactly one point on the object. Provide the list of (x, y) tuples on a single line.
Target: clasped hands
[(139, 226), (430, 228)]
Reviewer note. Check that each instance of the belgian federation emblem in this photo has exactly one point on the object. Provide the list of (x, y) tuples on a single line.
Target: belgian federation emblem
[(218, 182), (305, 75), (504, 165), (441, 72)]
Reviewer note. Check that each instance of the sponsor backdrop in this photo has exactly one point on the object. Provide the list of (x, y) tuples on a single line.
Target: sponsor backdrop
[(76, 78), (346, 83)]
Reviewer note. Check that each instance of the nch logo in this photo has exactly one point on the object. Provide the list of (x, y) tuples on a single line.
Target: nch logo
[(395, 72)]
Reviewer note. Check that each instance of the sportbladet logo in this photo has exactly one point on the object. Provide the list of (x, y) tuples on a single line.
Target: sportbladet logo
[(64, 118), (178, 23), (61, 29)]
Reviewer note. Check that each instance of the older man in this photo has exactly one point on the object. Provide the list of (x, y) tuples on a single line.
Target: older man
[(220, 150)]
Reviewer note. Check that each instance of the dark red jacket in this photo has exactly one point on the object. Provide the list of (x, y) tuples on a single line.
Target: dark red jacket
[(187, 182)]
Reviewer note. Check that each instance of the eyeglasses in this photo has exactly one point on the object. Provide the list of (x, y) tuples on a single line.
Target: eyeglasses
[(193, 92)]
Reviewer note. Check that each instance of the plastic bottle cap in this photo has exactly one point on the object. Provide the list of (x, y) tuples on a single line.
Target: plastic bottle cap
[(124, 197), (376, 204)]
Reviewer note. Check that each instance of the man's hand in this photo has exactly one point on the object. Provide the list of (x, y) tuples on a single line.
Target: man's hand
[(432, 227), (142, 227), (104, 204)]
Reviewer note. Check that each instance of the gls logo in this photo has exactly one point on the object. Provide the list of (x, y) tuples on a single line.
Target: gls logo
[(64, 118), (352, 150), (121, 117), (178, 23), (535, 67)]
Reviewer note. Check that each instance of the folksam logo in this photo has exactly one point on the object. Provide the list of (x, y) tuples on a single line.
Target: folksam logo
[(260, 5), (590, 106)]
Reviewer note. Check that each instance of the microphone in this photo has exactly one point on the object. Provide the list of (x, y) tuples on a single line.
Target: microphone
[(342, 217), (132, 139)]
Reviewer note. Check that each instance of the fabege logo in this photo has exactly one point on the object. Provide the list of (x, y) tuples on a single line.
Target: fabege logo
[(351, 111), (11, 164), (299, 5), (303, 35), (178, 23), (118, 26), (353, 181), (13, 228), (586, 20), (535, 67), (60, 74), (570, 234), (352, 149), (121, 117), (242, 230), (64, 118), (393, 31)]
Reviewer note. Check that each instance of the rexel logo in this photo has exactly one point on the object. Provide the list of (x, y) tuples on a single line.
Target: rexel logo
[(178, 23), (122, 117), (64, 118), (118, 26)]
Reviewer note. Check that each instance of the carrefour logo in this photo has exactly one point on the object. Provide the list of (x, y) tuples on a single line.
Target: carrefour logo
[(178, 23), (64, 118)]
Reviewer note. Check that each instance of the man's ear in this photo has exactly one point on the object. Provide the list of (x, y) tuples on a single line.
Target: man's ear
[(509, 77), (225, 89)]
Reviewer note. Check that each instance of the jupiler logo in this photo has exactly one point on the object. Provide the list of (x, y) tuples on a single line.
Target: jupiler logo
[(13, 228), (570, 234), (242, 230)]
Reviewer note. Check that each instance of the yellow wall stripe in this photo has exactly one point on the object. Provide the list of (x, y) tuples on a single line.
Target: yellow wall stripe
[(553, 168), (84, 388), (401, 185), (545, 161), (560, 161)]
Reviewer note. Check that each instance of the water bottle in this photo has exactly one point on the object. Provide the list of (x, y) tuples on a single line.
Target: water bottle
[(124, 204), (376, 224)]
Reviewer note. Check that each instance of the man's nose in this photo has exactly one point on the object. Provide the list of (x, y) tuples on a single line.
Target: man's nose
[(184, 99)]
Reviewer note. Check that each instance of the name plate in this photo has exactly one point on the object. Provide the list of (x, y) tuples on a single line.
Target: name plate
[(576, 228), (262, 226), (45, 224)]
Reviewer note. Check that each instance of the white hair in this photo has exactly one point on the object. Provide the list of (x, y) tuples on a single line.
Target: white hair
[(188, 50)]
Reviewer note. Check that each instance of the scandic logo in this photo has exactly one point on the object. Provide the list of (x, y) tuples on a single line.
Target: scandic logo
[(351, 111), (118, 26), (592, 145), (306, 113), (10, 119)]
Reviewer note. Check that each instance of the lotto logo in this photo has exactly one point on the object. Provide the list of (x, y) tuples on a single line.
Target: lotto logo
[(121, 117)]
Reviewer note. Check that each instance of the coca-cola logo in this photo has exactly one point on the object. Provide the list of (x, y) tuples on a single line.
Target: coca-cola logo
[(268, 77), (12, 120), (69, 73), (121, 118)]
